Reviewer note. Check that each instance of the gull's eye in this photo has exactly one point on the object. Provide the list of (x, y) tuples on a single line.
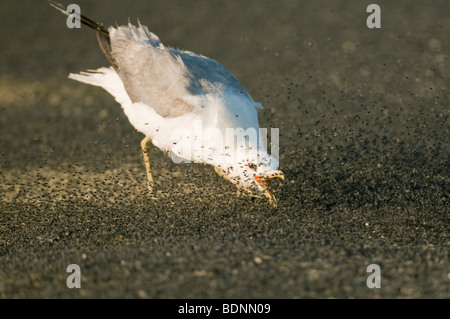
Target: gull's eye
[(252, 166)]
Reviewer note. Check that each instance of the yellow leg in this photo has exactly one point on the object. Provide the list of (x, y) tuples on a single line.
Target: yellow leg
[(240, 191), (145, 145)]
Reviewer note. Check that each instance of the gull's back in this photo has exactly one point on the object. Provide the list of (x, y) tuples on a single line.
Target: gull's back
[(167, 79)]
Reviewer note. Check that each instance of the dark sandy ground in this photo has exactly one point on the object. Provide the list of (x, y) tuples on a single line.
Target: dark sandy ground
[(364, 133)]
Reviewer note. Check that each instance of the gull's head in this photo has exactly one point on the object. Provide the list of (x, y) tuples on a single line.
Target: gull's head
[(255, 175)]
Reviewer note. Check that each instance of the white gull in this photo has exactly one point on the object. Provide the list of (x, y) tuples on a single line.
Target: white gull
[(164, 91)]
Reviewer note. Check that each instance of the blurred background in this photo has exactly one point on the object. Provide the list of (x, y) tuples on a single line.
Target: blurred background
[(364, 133)]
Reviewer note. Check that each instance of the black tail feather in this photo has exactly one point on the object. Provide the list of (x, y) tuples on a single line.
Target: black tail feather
[(102, 33), (83, 19)]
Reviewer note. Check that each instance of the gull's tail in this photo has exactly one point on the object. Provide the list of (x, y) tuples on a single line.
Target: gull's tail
[(102, 33)]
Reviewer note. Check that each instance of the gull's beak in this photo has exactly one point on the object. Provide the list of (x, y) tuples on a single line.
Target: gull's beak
[(265, 181)]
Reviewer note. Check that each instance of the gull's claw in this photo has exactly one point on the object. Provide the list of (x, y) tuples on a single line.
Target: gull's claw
[(272, 198), (266, 181)]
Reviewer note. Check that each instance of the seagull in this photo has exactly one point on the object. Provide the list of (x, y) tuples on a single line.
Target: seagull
[(176, 98)]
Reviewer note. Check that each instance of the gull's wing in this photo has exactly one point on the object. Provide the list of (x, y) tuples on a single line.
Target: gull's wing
[(148, 71), (170, 81)]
